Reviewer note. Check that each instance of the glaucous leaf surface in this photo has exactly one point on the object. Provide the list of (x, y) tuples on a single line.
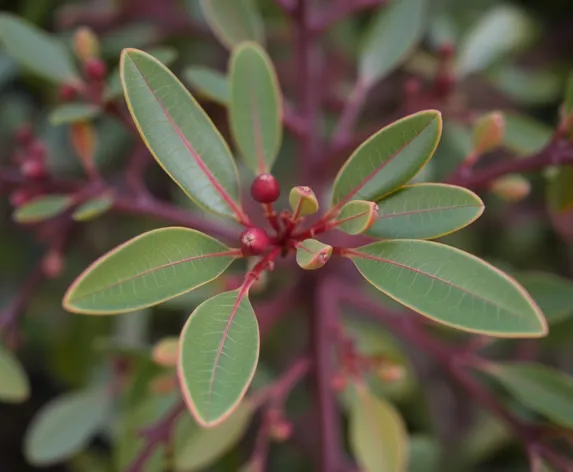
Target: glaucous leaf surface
[(72, 112), (255, 111), (450, 286), (179, 134), (393, 34), (42, 208), (425, 211), (233, 22), (388, 159), (542, 389), (553, 294), (14, 385), (36, 50), (147, 270), (195, 448), (93, 208), (218, 355), (209, 83), (311, 254), (378, 437), (357, 216), (64, 426)]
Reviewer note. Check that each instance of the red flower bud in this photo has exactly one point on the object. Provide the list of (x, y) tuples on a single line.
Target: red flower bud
[(254, 242), (265, 189), (24, 134), (96, 70), (447, 50), (67, 93), (37, 151), (33, 169)]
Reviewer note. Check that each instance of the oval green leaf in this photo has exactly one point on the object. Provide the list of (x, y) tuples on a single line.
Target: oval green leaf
[(73, 112), (209, 83), (196, 448), (42, 208), (256, 110), (377, 432), (218, 355), (542, 389), (553, 294), (179, 134), (451, 287), (14, 385), (425, 211), (311, 254), (393, 34), (233, 22), (525, 135), (36, 50), (148, 269), (93, 208), (388, 159), (357, 216), (65, 426)]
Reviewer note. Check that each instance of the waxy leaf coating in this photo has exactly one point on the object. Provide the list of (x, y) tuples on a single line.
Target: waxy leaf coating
[(450, 286), (179, 134), (255, 111), (388, 159), (425, 211), (218, 355), (148, 269)]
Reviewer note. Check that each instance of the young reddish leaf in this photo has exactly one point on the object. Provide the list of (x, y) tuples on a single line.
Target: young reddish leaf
[(378, 436), (303, 201), (218, 355), (256, 109), (425, 211), (388, 159), (14, 384), (511, 188), (37, 51), (451, 287), (312, 254), (357, 216), (86, 44), (488, 132), (542, 389), (180, 135), (93, 207), (209, 83), (148, 269), (42, 208), (233, 22)]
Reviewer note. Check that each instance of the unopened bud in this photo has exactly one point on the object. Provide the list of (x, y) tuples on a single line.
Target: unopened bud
[(303, 201), (488, 132), (68, 92), (86, 45), (311, 254), (357, 216), (512, 188), (95, 69), (166, 351), (52, 264), (390, 372), (281, 430), (33, 169), (338, 383)]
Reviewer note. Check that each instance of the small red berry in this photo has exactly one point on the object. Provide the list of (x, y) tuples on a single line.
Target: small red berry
[(52, 264), (33, 169), (447, 50), (67, 93), (281, 430), (265, 188), (24, 134), (95, 69), (445, 82), (254, 242), (412, 86), (20, 197)]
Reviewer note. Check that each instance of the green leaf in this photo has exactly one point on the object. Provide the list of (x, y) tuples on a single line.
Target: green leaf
[(450, 286), (530, 87), (388, 159), (36, 50), (233, 22), (218, 355), (559, 198), (357, 216), (568, 101), (147, 270), (378, 436), (553, 294), (196, 448), (179, 134), (73, 112), (312, 254), (501, 30), (542, 389), (256, 110), (14, 385), (93, 208), (525, 135), (42, 208), (425, 211), (393, 34), (209, 83), (424, 454), (65, 426)]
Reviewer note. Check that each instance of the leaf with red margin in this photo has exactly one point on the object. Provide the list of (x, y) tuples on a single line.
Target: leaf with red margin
[(218, 355), (388, 159), (256, 108), (451, 287), (180, 135)]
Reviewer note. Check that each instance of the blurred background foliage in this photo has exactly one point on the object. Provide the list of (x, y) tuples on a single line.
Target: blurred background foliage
[(512, 56)]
